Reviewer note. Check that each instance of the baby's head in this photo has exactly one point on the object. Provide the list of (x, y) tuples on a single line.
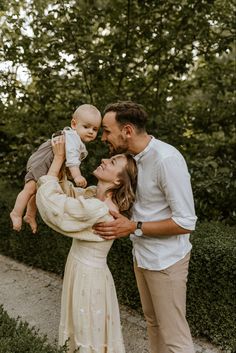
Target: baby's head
[(86, 120)]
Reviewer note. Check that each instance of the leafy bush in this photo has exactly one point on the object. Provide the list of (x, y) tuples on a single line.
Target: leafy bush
[(17, 337), (120, 262), (45, 249), (178, 60), (211, 286)]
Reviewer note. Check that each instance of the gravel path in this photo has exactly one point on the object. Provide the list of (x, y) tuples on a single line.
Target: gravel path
[(34, 295)]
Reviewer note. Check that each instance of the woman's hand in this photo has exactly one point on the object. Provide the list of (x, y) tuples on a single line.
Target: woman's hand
[(58, 147)]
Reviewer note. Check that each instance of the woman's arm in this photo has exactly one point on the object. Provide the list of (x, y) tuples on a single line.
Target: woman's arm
[(58, 146), (70, 216)]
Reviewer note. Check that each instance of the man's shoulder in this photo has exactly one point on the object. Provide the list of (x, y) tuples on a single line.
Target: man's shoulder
[(164, 149)]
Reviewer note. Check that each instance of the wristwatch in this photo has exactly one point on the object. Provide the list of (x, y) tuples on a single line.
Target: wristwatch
[(138, 231)]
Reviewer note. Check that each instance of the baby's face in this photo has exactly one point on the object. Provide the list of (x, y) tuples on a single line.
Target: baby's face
[(86, 126)]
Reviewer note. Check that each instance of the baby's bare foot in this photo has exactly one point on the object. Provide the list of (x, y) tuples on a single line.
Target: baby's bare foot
[(31, 221), (16, 221)]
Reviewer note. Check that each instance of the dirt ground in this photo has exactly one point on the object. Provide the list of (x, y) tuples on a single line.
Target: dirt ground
[(34, 295)]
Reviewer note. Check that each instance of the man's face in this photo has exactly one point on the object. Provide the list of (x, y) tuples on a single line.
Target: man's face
[(113, 134)]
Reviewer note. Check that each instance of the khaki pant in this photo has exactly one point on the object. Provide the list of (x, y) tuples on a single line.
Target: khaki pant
[(163, 298)]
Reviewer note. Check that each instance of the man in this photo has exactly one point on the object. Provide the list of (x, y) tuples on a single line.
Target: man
[(163, 217)]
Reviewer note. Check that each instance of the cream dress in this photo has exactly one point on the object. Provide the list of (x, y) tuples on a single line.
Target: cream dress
[(90, 316)]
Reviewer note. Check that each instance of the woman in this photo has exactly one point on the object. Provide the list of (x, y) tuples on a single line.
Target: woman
[(89, 309)]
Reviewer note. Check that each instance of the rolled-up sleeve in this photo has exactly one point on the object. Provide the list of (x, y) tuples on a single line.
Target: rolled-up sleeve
[(175, 183)]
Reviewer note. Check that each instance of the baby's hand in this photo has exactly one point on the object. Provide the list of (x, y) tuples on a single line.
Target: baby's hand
[(80, 181)]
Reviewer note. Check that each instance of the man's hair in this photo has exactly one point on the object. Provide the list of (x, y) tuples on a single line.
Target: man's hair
[(129, 112)]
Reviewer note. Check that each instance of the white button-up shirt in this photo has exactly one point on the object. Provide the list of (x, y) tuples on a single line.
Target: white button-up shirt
[(163, 191)]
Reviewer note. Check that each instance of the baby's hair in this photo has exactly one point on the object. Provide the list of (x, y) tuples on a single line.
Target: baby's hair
[(86, 109)]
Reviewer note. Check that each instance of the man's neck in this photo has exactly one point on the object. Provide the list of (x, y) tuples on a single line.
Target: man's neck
[(139, 143)]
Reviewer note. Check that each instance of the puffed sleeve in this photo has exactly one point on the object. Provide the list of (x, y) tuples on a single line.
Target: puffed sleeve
[(70, 216)]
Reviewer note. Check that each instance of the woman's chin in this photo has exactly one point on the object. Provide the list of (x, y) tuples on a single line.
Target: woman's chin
[(95, 173)]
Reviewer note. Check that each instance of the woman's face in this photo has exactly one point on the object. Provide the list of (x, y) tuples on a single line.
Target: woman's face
[(109, 169)]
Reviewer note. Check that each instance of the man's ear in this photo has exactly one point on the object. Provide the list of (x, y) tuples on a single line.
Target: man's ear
[(128, 130)]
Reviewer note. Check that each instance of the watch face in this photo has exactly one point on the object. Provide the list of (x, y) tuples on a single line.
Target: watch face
[(138, 232)]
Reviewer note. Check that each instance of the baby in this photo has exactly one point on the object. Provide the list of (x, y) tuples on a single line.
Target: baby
[(85, 124)]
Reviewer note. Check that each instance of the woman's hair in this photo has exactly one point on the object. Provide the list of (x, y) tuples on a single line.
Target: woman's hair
[(123, 195)]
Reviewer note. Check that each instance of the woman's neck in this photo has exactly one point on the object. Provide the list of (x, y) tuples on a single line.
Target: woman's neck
[(102, 192), (104, 195)]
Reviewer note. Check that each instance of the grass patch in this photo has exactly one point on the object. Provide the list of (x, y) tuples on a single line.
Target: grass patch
[(17, 337)]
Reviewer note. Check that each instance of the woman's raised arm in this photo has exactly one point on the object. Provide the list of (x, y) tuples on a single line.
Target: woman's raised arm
[(58, 146)]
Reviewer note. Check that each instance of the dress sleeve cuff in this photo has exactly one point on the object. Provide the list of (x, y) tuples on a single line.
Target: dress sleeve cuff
[(45, 179)]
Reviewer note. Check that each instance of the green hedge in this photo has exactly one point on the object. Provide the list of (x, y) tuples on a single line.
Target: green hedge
[(211, 291), (17, 337), (211, 287)]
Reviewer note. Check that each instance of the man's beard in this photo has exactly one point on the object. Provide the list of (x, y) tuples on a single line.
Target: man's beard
[(123, 148)]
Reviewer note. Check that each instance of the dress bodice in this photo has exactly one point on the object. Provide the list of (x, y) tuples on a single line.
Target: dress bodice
[(91, 253)]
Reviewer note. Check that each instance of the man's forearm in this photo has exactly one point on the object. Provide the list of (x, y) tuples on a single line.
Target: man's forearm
[(165, 227), (122, 227)]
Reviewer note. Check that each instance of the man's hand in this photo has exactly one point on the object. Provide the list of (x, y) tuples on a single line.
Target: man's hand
[(120, 227)]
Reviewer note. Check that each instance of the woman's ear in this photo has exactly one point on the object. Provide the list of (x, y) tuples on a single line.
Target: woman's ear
[(117, 182)]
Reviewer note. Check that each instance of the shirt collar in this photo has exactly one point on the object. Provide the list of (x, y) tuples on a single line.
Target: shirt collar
[(138, 156)]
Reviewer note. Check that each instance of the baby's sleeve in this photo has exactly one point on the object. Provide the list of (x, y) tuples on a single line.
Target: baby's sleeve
[(72, 146)]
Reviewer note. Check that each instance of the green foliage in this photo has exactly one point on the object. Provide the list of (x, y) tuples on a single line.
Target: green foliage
[(209, 140), (17, 337), (120, 262), (177, 59), (211, 284), (45, 249)]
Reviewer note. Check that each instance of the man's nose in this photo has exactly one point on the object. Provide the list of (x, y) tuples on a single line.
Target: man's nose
[(103, 138)]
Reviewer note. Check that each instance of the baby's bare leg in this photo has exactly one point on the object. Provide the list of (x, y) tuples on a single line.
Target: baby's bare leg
[(21, 203), (30, 216)]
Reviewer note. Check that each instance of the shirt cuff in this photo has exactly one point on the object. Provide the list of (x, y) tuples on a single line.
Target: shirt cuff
[(186, 223)]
